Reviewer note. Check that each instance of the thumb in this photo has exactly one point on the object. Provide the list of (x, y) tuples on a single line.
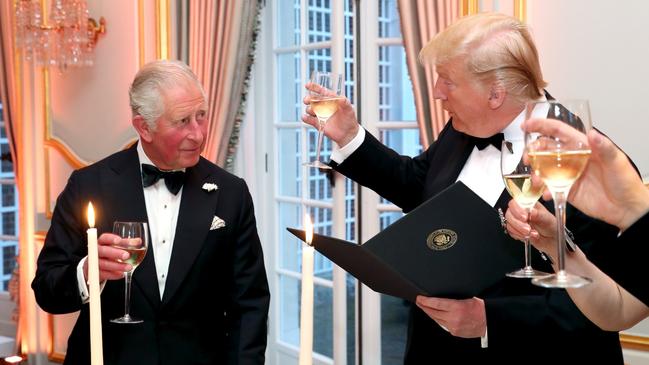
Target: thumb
[(602, 147)]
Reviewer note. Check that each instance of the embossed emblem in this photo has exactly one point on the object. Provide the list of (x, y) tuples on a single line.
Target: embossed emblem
[(441, 239)]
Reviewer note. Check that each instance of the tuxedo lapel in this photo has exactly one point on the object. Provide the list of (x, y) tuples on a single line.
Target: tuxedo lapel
[(194, 220), (123, 184)]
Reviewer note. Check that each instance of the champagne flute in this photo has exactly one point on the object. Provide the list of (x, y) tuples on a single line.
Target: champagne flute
[(325, 97), (559, 163), (134, 241), (526, 191)]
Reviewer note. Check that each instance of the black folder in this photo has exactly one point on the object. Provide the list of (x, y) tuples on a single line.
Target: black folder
[(451, 246)]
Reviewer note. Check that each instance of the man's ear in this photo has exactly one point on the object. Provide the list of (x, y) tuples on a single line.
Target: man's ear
[(142, 128), (497, 95)]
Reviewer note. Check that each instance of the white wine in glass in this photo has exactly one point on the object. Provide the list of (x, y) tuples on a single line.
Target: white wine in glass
[(134, 241), (559, 162), (326, 93), (526, 191)]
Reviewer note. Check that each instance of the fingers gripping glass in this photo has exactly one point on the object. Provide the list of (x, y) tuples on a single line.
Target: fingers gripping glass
[(526, 191), (559, 161), (325, 93), (134, 241)]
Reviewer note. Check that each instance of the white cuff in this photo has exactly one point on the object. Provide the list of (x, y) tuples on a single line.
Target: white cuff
[(484, 340), (340, 154), (81, 283)]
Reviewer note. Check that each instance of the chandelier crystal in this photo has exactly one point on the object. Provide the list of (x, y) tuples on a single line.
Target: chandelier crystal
[(66, 39)]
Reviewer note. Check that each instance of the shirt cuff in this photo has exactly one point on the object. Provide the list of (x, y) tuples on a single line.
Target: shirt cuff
[(81, 281), (340, 154), (83, 286), (484, 340)]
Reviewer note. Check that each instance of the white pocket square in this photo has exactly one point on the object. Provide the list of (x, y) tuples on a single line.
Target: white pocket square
[(217, 223)]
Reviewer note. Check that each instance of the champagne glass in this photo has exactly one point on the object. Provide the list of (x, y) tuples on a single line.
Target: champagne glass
[(526, 191), (325, 97), (134, 241), (559, 162)]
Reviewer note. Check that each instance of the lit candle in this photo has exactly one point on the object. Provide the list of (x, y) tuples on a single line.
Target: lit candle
[(306, 312), (96, 351)]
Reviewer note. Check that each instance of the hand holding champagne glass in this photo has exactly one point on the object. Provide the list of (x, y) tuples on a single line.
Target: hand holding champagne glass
[(559, 162), (324, 103), (526, 190), (134, 241)]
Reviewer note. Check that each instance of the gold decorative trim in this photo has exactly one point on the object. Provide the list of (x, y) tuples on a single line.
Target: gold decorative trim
[(634, 342), (468, 7), (46, 161), (520, 10), (67, 153), (163, 21)]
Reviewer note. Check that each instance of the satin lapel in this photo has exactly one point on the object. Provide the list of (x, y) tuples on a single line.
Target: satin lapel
[(449, 160), (123, 182), (194, 220)]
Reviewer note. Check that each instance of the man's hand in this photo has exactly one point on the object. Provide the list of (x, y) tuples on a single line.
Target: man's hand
[(541, 227), (342, 126), (110, 267), (462, 318)]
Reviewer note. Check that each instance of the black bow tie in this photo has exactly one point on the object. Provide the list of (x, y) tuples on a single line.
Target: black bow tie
[(496, 140), (174, 180)]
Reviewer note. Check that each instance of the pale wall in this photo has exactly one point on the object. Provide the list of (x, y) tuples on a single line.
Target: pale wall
[(599, 50)]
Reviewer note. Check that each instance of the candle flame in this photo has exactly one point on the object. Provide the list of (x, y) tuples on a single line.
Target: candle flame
[(308, 229), (91, 215)]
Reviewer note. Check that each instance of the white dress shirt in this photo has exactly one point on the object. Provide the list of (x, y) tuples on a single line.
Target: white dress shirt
[(162, 211)]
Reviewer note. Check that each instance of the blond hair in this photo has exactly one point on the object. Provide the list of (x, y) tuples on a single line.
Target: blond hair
[(496, 48)]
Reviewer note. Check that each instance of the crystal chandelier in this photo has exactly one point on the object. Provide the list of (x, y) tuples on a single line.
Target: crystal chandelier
[(67, 39)]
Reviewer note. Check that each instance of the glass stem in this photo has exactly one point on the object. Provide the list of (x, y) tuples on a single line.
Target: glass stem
[(127, 292), (321, 124), (528, 248), (560, 213)]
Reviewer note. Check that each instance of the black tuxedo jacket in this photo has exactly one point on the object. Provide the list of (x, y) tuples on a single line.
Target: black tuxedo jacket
[(215, 305), (525, 324)]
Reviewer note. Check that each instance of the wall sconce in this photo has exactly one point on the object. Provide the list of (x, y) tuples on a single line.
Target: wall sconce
[(67, 39)]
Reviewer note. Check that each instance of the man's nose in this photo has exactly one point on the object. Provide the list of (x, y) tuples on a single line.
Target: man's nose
[(438, 92), (196, 132)]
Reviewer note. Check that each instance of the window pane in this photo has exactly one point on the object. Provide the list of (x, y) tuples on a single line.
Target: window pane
[(290, 167), (348, 76), (323, 320), (288, 23), (389, 25), (404, 141), (9, 223), (319, 186), (394, 314), (290, 248), (394, 329), (319, 21), (9, 259), (289, 315), (396, 101), (9, 196), (350, 210), (7, 164), (289, 88), (319, 60), (322, 224)]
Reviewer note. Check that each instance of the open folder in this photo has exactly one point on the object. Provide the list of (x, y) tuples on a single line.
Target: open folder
[(451, 246)]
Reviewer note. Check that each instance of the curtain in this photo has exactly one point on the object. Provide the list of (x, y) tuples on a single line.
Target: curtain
[(221, 51), (420, 21), (9, 91)]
